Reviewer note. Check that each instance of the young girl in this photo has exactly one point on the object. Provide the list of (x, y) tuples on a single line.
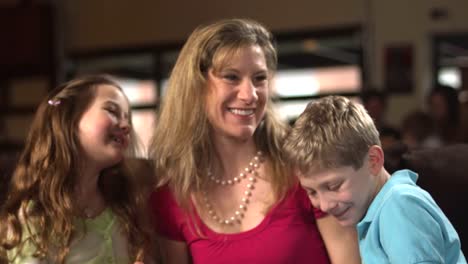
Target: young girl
[(72, 198)]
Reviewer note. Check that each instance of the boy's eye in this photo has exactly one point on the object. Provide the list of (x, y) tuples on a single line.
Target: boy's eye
[(334, 186), (311, 193)]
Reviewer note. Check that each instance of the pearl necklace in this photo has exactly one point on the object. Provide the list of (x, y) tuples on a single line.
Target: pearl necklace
[(253, 165), (238, 215)]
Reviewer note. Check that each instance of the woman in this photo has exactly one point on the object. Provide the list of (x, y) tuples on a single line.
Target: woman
[(226, 195)]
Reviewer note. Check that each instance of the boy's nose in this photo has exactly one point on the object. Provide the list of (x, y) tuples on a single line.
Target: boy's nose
[(327, 205)]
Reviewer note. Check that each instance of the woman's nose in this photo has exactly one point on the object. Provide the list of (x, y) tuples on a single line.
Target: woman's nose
[(247, 92)]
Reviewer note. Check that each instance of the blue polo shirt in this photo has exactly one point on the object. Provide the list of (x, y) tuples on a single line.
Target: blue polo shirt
[(404, 225)]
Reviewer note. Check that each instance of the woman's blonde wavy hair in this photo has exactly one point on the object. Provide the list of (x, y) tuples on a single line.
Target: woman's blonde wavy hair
[(41, 190), (181, 146)]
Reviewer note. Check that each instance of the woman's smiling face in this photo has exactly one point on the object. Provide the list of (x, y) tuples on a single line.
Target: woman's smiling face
[(237, 94)]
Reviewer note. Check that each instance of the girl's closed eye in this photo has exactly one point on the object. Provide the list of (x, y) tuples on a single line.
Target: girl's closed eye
[(112, 108), (112, 111)]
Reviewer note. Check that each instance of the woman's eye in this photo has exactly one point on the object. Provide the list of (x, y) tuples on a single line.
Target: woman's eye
[(260, 78), (231, 77)]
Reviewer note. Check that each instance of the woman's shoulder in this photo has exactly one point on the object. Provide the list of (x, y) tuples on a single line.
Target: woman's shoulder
[(141, 170), (162, 202), (297, 198), (162, 193), (168, 217)]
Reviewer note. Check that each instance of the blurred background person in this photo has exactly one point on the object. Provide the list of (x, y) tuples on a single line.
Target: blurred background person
[(444, 109)]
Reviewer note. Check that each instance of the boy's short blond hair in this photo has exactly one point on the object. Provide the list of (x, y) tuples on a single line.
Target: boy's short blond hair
[(332, 132)]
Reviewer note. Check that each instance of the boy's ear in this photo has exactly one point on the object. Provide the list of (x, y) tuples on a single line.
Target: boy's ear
[(376, 159)]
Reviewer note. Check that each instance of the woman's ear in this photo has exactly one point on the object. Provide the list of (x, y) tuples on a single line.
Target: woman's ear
[(376, 159)]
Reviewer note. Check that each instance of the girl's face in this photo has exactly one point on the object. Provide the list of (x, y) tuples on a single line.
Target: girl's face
[(105, 126), (237, 94)]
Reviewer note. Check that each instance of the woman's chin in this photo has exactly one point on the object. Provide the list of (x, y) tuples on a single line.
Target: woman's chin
[(244, 135)]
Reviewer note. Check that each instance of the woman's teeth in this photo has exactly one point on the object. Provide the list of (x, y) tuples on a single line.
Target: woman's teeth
[(243, 112)]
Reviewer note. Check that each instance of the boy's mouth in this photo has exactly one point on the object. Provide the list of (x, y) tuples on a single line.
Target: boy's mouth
[(341, 214)]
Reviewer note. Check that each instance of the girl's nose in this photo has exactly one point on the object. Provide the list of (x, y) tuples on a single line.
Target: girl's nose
[(125, 126)]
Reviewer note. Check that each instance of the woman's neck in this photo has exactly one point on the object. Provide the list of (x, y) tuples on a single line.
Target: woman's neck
[(232, 156)]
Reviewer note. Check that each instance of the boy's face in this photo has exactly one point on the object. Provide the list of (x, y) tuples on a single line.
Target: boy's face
[(344, 192)]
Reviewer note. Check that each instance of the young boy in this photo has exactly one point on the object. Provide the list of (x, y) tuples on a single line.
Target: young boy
[(335, 147)]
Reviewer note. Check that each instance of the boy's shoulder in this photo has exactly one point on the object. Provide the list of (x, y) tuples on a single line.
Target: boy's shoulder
[(402, 191), (408, 225), (398, 193), (399, 182), (406, 196)]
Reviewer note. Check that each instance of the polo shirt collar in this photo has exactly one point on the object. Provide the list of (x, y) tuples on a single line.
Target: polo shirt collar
[(399, 177)]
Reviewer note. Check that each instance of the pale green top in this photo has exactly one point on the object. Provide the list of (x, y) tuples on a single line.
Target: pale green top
[(102, 243)]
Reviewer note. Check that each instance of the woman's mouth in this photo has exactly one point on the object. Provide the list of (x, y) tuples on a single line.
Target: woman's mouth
[(242, 112)]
